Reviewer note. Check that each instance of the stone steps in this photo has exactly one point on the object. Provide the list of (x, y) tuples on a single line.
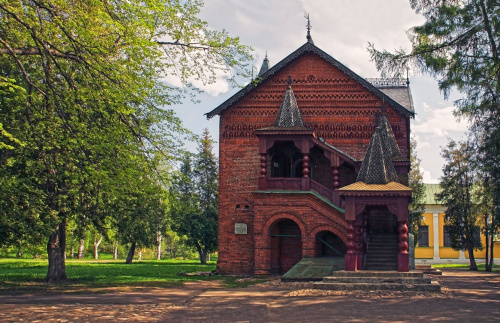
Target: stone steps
[(432, 287), (378, 280), (428, 269), (382, 253)]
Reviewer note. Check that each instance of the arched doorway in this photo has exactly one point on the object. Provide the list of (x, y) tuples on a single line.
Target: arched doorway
[(329, 245), (286, 246)]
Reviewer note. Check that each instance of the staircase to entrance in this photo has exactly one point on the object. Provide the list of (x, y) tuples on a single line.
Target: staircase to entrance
[(382, 252), (382, 248)]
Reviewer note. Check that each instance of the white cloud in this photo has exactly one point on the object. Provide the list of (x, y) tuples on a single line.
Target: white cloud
[(427, 178), (420, 143), (440, 122)]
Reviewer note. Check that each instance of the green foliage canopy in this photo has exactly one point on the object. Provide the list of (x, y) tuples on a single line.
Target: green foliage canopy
[(416, 183), (462, 212), (194, 213), (85, 90)]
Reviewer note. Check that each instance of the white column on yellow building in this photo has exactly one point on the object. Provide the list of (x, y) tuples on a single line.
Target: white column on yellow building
[(435, 230), (461, 256)]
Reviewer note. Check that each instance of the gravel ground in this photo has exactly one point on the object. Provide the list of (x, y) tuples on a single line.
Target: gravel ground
[(466, 297)]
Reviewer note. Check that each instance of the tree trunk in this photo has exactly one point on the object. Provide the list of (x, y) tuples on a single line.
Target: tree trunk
[(489, 253), (131, 253), (203, 254), (19, 254), (487, 258), (56, 251), (158, 252), (472, 260), (96, 247), (115, 250), (81, 249)]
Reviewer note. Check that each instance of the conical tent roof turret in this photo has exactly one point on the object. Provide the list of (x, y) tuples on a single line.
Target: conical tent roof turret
[(265, 66), (388, 136), (289, 113), (377, 166)]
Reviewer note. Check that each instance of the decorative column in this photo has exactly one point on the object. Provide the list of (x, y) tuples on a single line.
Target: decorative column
[(435, 230), (263, 172), (306, 171), (350, 256), (359, 246), (403, 256), (336, 185)]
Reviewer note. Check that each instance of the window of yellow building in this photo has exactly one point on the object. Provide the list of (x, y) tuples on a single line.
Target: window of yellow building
[(423, 236)]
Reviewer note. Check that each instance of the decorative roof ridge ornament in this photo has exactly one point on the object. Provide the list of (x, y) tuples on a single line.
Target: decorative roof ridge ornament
[(289, 113), (309, 38), (265, 66)]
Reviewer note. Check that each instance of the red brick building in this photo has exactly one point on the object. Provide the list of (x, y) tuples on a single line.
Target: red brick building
[(292, 181)]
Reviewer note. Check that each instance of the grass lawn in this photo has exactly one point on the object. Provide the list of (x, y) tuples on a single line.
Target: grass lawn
[(480, 267), (101, 276)]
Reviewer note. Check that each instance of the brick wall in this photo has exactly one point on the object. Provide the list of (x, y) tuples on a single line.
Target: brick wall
[(337, 108)]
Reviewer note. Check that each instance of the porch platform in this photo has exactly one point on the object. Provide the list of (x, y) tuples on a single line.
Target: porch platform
[(379, 280), (313, 269)]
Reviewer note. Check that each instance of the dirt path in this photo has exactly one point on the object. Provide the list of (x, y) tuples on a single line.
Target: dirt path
[(468, 297)]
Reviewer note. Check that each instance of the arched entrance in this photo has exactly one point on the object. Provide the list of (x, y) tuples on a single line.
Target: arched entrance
[(286, 246), (329, 245)]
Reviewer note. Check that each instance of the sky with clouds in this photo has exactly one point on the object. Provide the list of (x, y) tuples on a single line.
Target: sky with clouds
[(343, 29)]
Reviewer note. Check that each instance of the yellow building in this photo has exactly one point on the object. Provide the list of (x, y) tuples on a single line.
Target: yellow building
[(433, 241)]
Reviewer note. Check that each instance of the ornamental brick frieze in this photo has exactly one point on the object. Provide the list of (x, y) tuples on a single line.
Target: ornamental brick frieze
[(312, 79), (331, 131), (359, 111), (317, 96), (309, 109), (254, 112)]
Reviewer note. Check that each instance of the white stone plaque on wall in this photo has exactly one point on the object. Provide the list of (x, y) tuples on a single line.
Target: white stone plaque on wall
[(240, 228)]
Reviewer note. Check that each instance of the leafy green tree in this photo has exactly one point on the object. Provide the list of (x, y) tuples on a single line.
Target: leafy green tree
[(484, 197), (416, 182), (459, 45), (94, 76), (195, 211), (462, 212), (10, 94), (140, 207)]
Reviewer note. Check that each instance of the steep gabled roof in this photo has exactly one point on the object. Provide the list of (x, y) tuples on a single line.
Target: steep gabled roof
[(309, 47)]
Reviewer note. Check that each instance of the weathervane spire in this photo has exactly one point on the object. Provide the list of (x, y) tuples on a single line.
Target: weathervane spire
[(309, 38)]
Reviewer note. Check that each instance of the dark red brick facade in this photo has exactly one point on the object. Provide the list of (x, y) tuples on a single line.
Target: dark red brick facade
[(282, 226)]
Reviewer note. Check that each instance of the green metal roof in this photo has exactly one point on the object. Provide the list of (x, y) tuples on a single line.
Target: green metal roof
[(430, 192)]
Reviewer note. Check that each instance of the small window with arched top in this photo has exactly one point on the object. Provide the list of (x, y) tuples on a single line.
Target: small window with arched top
[(237, 207)]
